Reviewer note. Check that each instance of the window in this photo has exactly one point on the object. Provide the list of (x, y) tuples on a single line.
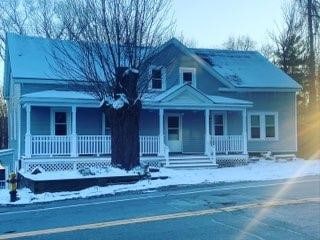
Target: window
[(263, 126), (218, 124), (270, 126), (60, 123), (255, 126), (106, 129), (157, 78), (188, 75), (173, 128)]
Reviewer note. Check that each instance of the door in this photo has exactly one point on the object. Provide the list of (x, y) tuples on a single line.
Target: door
[(174, 136)]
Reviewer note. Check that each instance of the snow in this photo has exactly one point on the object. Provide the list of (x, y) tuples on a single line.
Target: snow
[(246, 69), (133, 70), (261, 170), (94, 172), (117, 103), (59, 95)]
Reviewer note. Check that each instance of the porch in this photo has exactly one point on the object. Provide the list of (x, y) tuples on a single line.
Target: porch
[(180, 121)]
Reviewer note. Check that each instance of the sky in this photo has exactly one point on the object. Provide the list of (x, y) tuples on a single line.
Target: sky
[(209, 23)]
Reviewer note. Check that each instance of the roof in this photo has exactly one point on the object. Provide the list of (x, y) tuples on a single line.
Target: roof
[(246, 69), (30, 57), (167, 98)]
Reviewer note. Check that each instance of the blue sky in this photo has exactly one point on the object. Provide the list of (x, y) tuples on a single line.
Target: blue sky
[(210, 22)]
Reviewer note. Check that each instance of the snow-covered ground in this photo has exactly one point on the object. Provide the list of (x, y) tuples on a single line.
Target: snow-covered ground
[(261, 170)]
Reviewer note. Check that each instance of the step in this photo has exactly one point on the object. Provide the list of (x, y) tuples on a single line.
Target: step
[(189, 162), (184, 166), (188, 157)]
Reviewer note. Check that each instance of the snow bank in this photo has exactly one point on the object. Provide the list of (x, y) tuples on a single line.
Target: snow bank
[(262, 170)]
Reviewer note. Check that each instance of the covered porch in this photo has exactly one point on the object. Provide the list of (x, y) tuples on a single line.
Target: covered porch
[(178, 124)]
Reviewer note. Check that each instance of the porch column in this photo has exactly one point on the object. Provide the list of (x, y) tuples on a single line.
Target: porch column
[(207, 134), (161, 133), (74, 144), (28, 133), (244, 131)]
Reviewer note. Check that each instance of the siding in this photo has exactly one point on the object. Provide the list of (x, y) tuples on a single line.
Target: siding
[(193, 130), (284, 104), (149, 122), (176, 58), (31, 87), (89, 121)]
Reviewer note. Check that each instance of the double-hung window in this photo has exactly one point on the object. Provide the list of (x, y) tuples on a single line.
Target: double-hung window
[(218, 124), (60, 123), (188, 75), (263, 126), (157, 75)]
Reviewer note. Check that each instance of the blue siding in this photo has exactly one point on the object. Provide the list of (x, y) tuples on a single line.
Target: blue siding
[(284, 104), (89, 121), (193, 130), (234, 123), (30, 87), (149, 122), (40, 120), (176, 58)]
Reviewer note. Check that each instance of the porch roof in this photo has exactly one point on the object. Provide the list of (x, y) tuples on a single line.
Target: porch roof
[(180, 96)]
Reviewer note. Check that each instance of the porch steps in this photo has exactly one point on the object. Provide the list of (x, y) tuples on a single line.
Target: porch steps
[(187, 162)]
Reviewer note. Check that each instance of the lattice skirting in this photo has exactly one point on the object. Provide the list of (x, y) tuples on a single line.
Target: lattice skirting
[(54, 165), (231, 160)]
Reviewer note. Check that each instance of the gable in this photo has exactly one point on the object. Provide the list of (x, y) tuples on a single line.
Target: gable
[(183, 95), (172, 57)]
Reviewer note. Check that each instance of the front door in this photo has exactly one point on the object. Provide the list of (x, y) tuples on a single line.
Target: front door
[(174, 136)]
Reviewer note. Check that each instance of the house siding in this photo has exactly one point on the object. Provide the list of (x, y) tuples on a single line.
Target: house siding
[(149, 123), (176, 58), (32, 87), (284, 104), (89, 121), (193, 131)]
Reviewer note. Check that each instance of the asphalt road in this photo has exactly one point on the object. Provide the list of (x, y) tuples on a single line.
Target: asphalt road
[(286, 209)]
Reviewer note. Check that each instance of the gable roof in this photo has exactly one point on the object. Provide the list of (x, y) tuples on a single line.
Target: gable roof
[(30, 58), (185, 95), (246, 69)]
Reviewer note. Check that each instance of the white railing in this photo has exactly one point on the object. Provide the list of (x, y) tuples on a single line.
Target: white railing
[(50, 145), (228, 144), (86, 145), (149, 145), (94, 144)]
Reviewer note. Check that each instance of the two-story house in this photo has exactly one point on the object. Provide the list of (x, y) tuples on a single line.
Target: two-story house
[(228, 102)]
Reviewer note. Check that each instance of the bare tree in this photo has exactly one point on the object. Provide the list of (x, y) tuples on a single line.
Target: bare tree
[(3, 123), (310, 15), (243, 43), (114, 42)]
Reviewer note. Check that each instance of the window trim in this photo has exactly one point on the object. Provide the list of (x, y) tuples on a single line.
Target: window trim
[(224, 121), (52, 120), (262, 116), (163, 78), (193, 72)]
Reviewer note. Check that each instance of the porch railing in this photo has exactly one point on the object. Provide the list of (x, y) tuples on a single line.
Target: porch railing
[(97, 144), (86, 145), (149, 145), (228, 144), (50, 145)]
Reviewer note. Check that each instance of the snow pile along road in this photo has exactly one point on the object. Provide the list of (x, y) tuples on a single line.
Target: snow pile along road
[(261, 170)]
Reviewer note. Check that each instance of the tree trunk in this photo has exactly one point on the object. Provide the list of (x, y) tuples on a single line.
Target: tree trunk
[(124, 123)]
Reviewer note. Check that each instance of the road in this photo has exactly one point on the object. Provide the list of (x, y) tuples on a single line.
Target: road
[(283, 209)]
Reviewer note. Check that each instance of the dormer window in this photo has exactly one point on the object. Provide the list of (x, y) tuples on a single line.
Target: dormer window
[(188, 75), (157, 78)]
